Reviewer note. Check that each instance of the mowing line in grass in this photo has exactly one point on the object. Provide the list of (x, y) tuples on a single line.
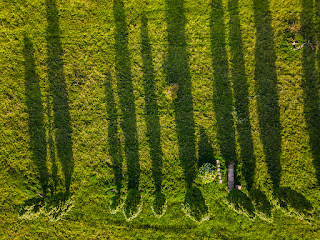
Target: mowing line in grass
[(38, 142), (241, 93), (310, 84), (58, 91), (267, 91), (222, 93)]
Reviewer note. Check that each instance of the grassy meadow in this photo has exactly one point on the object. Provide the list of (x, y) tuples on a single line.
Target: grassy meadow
[(109, 109)]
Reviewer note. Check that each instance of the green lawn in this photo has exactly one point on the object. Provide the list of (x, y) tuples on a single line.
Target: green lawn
[(133, 96)]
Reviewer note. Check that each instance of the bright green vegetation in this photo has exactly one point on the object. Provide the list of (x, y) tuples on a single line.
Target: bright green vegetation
[(109, 108)]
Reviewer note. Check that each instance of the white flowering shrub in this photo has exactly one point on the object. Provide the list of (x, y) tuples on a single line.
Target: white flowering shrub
[(31, 212), (58, 211), (208, 173), (54, 208)]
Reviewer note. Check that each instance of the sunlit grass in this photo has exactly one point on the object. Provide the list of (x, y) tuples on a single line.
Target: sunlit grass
[(235, 40)]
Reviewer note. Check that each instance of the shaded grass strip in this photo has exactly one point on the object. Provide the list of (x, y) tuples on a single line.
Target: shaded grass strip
[(241, 93), (177, 68), (151, 107), (266, 90), (126, 96), (58, 91), (222, 95), (310, 83), (38, 142), (113, 133)]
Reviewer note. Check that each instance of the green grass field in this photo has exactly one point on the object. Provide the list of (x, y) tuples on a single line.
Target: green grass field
[(109, 108)]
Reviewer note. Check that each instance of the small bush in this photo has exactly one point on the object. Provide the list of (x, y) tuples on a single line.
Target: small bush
[(208, 173), (171, 91)]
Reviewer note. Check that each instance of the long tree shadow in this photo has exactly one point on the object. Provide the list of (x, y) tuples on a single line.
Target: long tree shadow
[(114, 142), (58, 90), (310, 84), (52, 149), (269, 111), (267, 90), (127, 105), (317, 31), (178, 73), (38, 142), (240, 203), (284, 198), (293, 203), (241, 93), (152, 117), (222, 96), (52, 205)]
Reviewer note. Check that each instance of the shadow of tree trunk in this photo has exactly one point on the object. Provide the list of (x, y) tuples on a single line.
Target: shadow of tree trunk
[(267, 90), (151, 107), (113, 133), (126, 96), (178, 72), (241, 93), (38, 142), (59, 93), (222, 95), (311, 82), (52, 147)]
